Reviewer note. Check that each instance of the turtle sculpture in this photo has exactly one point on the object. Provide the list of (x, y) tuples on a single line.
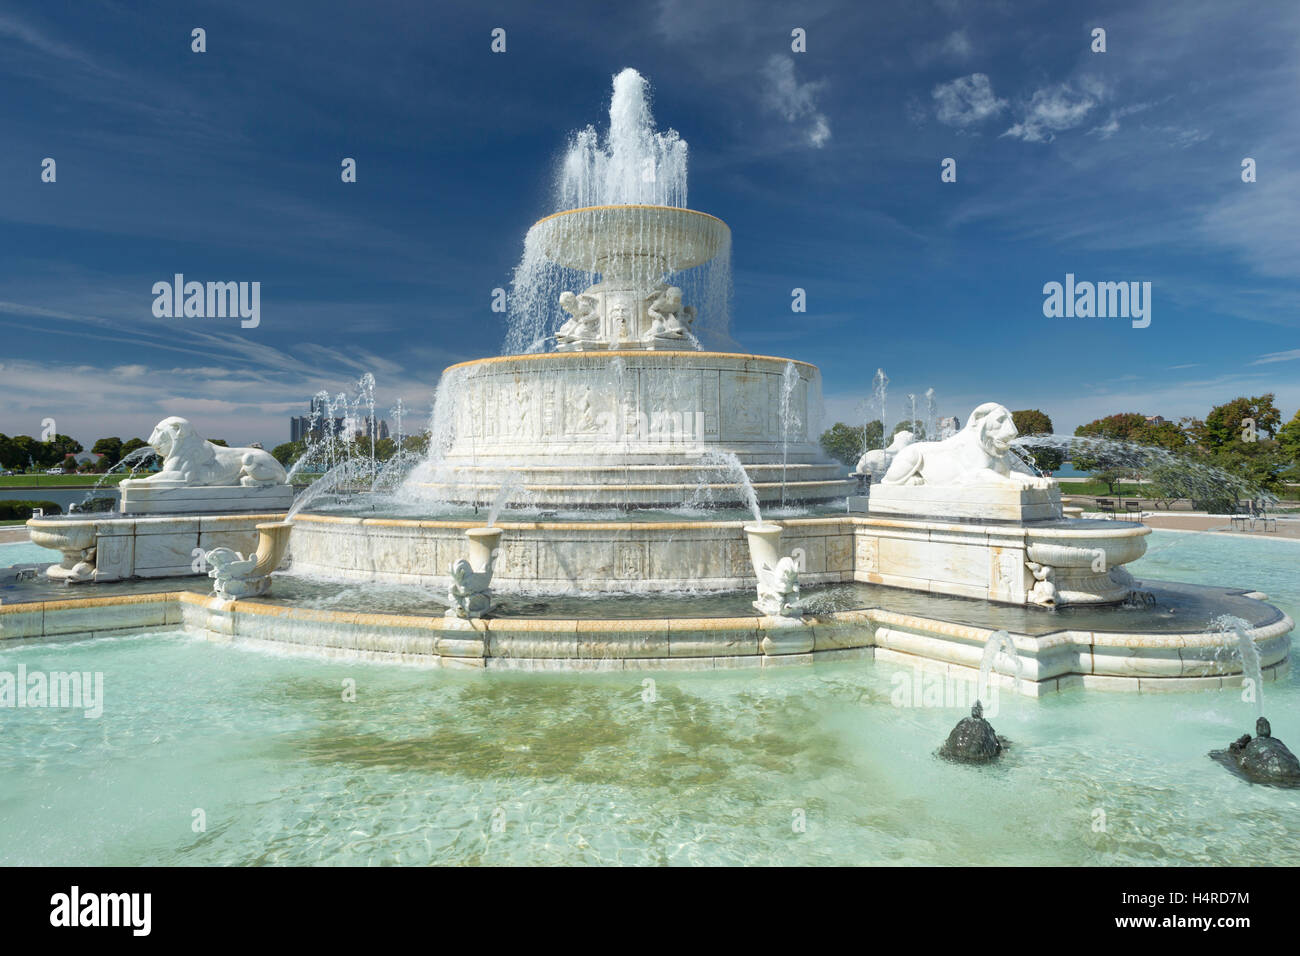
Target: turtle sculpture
[(1262, 759), (973, 739)]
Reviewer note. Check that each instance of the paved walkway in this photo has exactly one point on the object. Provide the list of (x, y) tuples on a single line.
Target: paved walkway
[(1286, 527)]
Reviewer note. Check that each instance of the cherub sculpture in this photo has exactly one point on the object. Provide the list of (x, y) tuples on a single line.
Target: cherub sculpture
[(665, 310), (584, 322), (778, 589), (470, 592)]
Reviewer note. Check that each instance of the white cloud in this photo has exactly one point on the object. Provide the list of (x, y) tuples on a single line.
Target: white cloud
[(795, 102), (1290, 355), (1053, 109), (966, 100), (1259, 219)]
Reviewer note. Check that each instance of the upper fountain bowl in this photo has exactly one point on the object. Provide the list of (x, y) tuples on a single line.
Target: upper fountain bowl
[(619, 238)]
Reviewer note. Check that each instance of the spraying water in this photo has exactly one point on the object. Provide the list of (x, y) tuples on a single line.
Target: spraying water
[(634, 164), (130, 461), (1175, 474), (789, 419), (730, 465), (513, 484), (879, 391)]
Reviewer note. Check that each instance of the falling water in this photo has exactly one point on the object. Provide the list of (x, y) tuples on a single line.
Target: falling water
[(633, 165), (931, 417), (1250, 663), (999, 642)]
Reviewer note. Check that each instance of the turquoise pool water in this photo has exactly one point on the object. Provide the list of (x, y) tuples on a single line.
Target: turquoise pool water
[(710, 768)]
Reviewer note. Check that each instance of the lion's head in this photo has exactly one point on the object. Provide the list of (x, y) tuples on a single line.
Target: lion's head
[(172, 434), (994, 428)]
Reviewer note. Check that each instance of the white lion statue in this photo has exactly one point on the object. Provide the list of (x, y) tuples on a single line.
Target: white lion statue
[(190, 460), (978, 454), (877, 461)]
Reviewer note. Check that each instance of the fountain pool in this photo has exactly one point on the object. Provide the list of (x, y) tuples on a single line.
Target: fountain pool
[(696, 768)]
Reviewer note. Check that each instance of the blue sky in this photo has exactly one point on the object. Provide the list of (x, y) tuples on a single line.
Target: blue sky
[(1115, 166)]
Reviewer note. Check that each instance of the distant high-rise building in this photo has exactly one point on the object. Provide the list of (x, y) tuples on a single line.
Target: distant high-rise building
[(313, 427)]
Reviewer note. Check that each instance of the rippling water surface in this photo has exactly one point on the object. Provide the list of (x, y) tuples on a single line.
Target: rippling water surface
[(799, 765)]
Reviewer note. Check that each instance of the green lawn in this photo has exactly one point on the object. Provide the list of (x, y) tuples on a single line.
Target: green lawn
[(56, 481), (1098, 488)]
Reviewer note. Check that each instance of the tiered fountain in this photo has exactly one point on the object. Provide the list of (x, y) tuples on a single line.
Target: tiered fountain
[(610, 417)]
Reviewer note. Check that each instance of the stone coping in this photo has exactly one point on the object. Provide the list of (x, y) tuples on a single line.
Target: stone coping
[(308, 517), (1108, 529), (113, 524), (678, 356), (816, 484), (1053, 661), (630, 205)]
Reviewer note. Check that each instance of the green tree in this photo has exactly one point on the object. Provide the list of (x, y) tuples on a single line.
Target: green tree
[(110, 448), (53, 452), (1238, 437), (20, 452), (1242, 420), (1129, 427), (132, 444), (843, 443), (1031, 421), (289, 452), (417, 445), (1288, 438)]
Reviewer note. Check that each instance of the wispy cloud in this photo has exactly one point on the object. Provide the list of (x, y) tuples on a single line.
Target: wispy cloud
[(1054, 109), (967, 100), (1290, 355), (796, 102)]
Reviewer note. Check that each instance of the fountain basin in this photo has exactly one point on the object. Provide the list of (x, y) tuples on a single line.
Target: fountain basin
[(631, 240), (984, 561), (627, 428), (144, 547)]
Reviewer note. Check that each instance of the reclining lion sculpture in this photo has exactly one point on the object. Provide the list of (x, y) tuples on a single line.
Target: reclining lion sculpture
[(190, 460), (978, 454)]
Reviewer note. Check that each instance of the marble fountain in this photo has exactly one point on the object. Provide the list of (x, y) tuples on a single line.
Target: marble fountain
[(625, 465)]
